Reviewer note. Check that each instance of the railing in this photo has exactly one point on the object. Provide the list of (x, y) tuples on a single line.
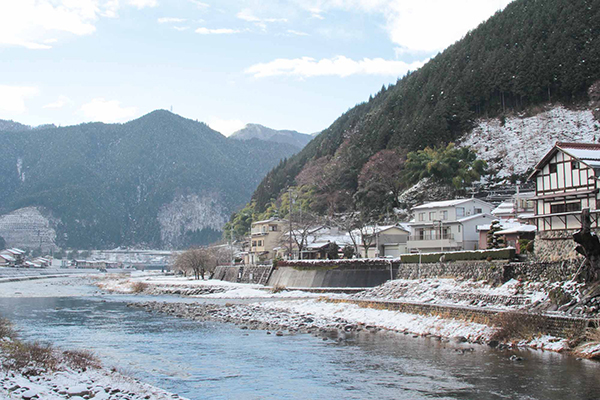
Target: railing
[(432, 236)]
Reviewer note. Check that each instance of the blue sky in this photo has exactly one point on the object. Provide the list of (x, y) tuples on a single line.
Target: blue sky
[(286, 64)]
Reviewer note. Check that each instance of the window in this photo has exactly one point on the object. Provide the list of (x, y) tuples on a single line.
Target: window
[(575, 164), (273, 228), (260, 243), (432, 215), (478, 211), (552, 168), (254, 243), (460, 211), (568, 207), (444, 215), (421, 234), (421, 216)]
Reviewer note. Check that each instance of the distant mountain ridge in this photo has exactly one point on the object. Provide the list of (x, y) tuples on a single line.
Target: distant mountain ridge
[(13, 126), (158, 181), (256, 131)]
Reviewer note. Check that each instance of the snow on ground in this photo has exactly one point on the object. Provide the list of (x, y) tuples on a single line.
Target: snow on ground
[(521, 142), (511, 295), (99, 384), (251, 293), (391, 320)]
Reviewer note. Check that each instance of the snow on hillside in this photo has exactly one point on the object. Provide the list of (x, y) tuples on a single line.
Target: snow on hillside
[(28, 228), (516, 146)]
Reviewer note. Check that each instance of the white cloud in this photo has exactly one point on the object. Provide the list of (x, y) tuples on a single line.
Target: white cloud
[(108, 111), (28, 22), (248, 15), (341, 66), (200, 4), (170, 20), (221, 31), (181, 28), (12, 98), (226, 126), (417, 25), (59, 103), (297, 33), (33, 24), (143, 3)]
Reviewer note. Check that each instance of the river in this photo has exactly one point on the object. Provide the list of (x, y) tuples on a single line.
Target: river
[(207, 360)]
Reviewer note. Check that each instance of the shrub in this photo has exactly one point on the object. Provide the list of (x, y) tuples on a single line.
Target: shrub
[(278, 289), (29, 358), (81, 359), (139, 287), (6, 329)]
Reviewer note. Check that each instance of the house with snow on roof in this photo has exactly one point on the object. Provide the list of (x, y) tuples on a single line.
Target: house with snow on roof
[(448, 225), (566, 181)]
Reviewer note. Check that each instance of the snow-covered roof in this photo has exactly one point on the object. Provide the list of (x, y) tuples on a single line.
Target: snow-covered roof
[(274, 219), (465, 219), (444, 203), (589, 153), (518, 229), (507, 207), (7, 257), (449, 203)]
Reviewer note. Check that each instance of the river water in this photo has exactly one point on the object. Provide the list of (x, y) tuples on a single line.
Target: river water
[(207, 360)]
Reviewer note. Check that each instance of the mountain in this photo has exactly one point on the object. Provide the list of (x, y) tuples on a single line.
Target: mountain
[(532, 53), (255, 131), (161, 180), (12, 126)]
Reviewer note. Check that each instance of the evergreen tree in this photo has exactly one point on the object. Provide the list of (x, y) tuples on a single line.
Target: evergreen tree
[(495, 241)]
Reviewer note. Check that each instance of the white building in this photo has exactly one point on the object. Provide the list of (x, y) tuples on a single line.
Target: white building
[(448, 225)]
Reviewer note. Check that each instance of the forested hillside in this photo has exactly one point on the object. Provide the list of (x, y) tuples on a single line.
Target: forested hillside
[(534, 52), (161, 180)]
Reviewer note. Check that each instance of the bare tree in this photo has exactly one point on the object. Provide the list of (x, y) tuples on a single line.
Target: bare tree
[(198, 261), (303, 225), (348, 223)]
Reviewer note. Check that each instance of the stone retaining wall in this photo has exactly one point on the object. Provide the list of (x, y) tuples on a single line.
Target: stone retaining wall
[(565, 327), (494, 272), (258, 274), (553, 246)]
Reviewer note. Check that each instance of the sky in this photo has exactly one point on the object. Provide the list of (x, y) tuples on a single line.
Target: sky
[(285, 64)]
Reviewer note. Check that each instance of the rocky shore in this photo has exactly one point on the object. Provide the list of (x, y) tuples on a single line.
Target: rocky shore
[(97, 384), (300, 316)]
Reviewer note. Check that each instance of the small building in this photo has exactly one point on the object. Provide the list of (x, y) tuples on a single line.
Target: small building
[(17, 254), (265, 237), (566, 181), (449, 225), (386, 241), (6, 260), (520, 206)]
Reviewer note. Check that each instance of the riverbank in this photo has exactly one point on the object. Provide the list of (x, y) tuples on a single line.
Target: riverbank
[(40, 371)]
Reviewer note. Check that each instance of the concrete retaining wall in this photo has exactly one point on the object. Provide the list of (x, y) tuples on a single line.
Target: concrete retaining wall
[(335, 276)]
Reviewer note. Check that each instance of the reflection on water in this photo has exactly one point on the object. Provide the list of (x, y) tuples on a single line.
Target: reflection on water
[(211, 360)]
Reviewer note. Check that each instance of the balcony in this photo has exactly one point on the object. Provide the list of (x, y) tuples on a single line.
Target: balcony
[(432, 236), (433, 242)]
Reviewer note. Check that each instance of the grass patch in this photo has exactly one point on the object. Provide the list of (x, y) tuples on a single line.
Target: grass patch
[(278, 289)]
